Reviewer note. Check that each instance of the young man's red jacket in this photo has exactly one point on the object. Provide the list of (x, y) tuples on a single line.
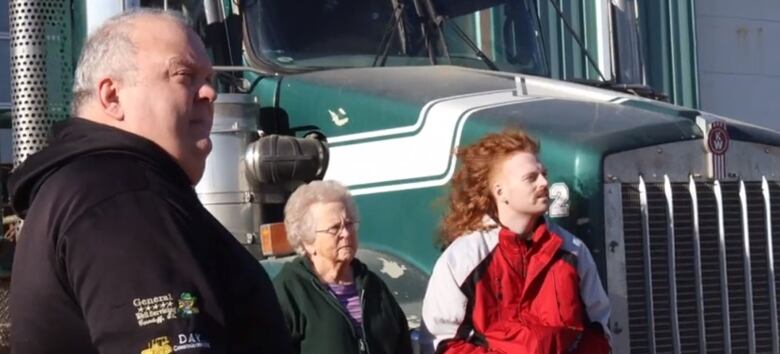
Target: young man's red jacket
[(491, 292)]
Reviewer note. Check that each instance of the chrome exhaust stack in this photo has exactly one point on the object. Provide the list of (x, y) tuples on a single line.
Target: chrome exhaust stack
[(249, 175)]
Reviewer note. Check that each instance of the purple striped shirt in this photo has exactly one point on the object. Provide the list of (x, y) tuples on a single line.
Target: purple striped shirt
[(347, 296)]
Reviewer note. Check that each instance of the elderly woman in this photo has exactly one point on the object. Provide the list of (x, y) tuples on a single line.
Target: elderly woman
[(331, 302)]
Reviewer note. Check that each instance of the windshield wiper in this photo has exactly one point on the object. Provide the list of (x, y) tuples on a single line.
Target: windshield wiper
[(479, 53), (439, 22), (389, 35), (640, 90), (578, 40)]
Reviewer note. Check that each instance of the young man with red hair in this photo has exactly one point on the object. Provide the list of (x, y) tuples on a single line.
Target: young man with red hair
[(509, 280)]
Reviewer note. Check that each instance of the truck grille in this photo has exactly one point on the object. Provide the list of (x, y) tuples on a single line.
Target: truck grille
[(716, 292)]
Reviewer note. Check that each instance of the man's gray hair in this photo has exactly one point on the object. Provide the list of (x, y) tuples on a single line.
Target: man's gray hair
[(109, 51), (298, 221)]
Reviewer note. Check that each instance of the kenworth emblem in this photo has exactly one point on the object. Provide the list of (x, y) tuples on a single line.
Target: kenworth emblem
[(718, 144)]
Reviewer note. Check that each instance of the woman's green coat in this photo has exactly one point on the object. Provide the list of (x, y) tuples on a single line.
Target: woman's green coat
[(318, 324)]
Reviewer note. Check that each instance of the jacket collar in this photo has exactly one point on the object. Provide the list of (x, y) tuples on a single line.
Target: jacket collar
[(544, 248), (79, 137), (544, 254), (359, 271)]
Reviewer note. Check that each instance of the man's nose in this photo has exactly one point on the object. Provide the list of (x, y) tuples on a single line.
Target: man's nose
[(207, 93), (543, 181)]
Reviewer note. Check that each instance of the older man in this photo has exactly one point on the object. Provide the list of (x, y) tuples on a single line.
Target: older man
[(117, 254)]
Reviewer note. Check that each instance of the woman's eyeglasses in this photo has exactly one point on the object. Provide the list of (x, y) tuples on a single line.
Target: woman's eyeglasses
[(336, 230)]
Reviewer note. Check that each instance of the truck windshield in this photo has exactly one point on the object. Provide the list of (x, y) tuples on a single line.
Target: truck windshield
[(302, 35)]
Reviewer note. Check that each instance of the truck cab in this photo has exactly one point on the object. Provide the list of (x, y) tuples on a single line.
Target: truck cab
[(676, 205)]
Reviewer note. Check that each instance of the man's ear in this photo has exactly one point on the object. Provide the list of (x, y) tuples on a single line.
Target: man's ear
[(107, 92)]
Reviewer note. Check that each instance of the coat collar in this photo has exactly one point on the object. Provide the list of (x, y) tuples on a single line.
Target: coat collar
[(359, 271)]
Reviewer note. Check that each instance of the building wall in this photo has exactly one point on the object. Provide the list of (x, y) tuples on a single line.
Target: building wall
[(739, 59)]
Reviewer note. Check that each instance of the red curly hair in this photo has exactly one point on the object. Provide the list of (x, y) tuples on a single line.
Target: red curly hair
[(471, 198)]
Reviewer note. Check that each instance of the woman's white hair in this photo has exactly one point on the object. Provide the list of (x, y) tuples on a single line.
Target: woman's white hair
[(298, 221), (109, 51)]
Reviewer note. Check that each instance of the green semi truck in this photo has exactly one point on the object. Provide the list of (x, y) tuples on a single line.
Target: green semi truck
[(676, 205)]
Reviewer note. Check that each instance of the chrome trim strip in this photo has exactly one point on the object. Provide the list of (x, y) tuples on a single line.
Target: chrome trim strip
[(697, 265), (770, 261), (678, 160), (746, 160), (747, 273), (672, 265), (615, 250), (724, 282), (648, 265)]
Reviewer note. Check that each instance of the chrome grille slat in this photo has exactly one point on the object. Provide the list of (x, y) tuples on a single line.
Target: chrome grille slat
[(697, 261), (685, 274), (759, 267), (672, 266), (711, 273), (724, 284), (770, 261), (774, 198), (634, 254), (644, 210), (748, 276), (657, 210)]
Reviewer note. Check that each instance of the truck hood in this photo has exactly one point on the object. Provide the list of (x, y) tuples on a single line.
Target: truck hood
[(367, 100), (396, 128)]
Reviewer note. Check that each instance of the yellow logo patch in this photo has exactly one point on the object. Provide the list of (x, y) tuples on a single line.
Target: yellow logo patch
[(159, 345)]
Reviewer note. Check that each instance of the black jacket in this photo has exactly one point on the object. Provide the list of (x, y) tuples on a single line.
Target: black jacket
[(320, 325), (117, 255)]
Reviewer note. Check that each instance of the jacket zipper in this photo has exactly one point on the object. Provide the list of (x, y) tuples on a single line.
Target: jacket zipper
[(362, 347), (363, 340)]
